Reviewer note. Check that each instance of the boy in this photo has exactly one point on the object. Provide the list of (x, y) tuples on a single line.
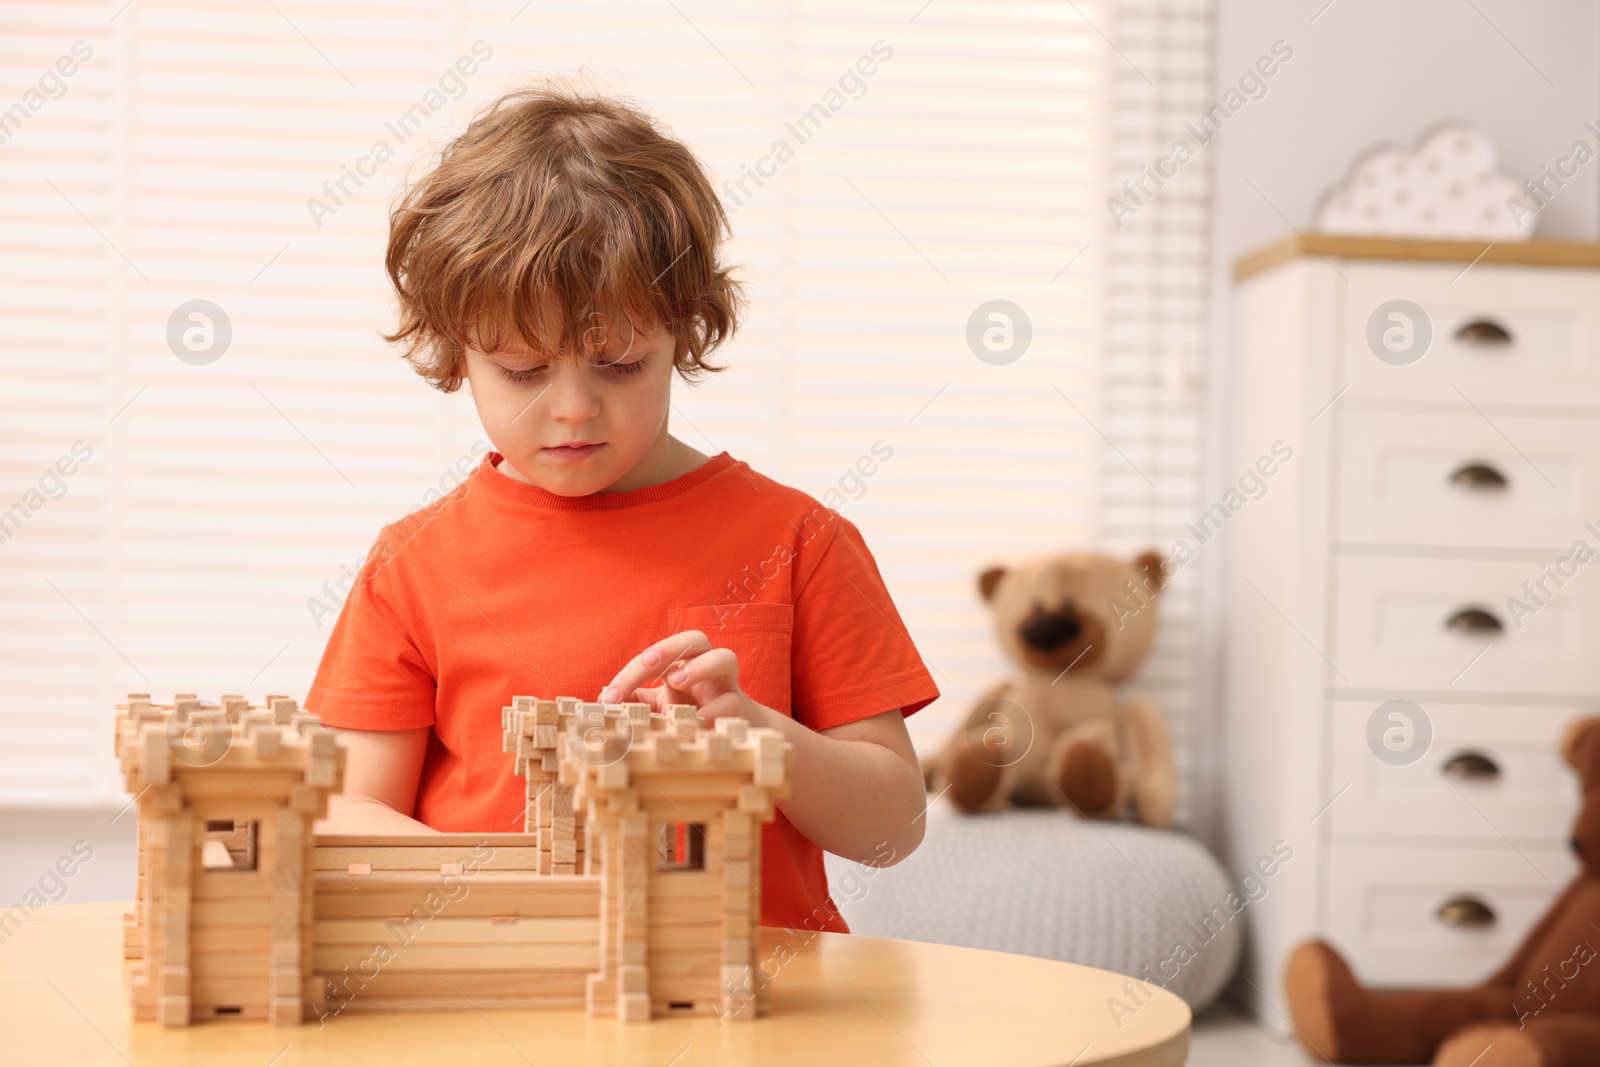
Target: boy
[(563, 259)]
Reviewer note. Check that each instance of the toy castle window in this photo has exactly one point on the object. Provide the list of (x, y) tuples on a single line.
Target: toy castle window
[(681, 847), (228, 846)]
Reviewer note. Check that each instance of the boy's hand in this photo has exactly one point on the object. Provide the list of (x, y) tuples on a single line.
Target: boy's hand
[(693, 672)]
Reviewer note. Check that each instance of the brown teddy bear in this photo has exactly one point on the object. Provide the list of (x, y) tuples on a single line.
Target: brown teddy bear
[(1541, 1010), (1076, 626)]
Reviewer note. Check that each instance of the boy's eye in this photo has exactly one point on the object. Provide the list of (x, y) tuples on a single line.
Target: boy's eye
[(510, 375), (626, 368)]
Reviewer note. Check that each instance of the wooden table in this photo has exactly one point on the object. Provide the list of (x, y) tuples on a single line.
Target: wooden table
[(841, 999)]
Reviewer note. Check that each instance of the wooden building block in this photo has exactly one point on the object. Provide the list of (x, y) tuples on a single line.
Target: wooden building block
[(733, 729), (753, 800), (738, 992), (736, 874), (172, 1011), (286, 1011), (718, 748), (155, 755), (322, 771), (739, 921), (308, 797), (767, 744), (175, 982), (633, 978), (600, 994), (633, 1007), (266, 743), (285, 982)]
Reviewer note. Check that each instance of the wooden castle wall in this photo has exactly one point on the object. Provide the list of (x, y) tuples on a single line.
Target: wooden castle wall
[(425, 921)]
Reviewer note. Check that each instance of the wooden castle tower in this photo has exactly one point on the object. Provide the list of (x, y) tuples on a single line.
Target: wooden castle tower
[(223, 906), (633, 891)]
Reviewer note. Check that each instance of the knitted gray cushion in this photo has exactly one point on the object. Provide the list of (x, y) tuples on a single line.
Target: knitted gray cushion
[(1042, 883)]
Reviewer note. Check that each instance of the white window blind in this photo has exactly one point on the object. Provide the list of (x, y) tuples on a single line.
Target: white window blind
[(1152, 365), (229, 153)]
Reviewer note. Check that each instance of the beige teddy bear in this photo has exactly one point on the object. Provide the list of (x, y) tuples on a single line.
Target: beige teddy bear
[(1056, 733)]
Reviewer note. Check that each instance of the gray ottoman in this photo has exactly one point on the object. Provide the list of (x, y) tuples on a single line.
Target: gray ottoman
[(1152, 904)]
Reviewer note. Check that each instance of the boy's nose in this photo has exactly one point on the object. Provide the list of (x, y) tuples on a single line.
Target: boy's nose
[(571, 399)]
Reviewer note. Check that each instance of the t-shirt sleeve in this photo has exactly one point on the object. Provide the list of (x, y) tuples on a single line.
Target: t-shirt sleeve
[(852, 656), (372, 675)]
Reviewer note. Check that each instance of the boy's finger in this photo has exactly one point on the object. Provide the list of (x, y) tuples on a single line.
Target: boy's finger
[(654, 661), (718, 664)]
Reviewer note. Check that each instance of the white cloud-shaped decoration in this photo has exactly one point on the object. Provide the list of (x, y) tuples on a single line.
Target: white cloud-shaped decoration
[(1447, 187)]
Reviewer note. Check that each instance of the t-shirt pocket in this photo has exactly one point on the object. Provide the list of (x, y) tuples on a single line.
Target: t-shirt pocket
[(759, 634)]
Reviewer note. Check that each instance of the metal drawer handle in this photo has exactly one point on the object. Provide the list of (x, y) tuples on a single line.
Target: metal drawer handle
[(1474, 621), (1478, 476), (1484, 332), (1465, 911), (1471, 765)]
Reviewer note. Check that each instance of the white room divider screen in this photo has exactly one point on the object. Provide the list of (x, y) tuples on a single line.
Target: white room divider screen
[(168, 523)]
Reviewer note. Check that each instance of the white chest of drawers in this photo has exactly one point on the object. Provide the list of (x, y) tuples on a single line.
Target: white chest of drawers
[(1426, 499)]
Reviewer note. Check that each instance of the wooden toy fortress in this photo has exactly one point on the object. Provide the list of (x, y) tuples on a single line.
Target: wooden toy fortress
[(633, 890)]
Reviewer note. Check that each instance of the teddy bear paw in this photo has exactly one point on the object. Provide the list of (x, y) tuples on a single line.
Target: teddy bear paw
[(1084, 776), (972, 779), (1492, 1045), (1320, 984)]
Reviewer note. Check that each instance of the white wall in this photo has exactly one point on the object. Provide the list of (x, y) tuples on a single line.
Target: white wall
[(1368, 71)]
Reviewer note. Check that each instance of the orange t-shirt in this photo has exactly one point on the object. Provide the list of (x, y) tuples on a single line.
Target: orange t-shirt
[(502, 588)]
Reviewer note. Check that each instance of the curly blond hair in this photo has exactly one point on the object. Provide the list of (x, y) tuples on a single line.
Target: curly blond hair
[(554, 205)]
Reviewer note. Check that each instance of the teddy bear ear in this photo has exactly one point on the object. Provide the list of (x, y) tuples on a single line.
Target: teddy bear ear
[(1575, 744), (1150, 563), (989, 581)]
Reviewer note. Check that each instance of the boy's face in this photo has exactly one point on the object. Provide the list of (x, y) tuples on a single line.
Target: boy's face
[(612, 399)]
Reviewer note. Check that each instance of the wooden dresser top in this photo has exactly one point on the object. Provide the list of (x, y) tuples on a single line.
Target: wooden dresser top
[(1535, 253)]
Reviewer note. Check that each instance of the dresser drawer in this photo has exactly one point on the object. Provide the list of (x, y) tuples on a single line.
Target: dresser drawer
[(1417, 478), (1384, 908), (1550, 318), (1406, 623), (1487, 771)]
